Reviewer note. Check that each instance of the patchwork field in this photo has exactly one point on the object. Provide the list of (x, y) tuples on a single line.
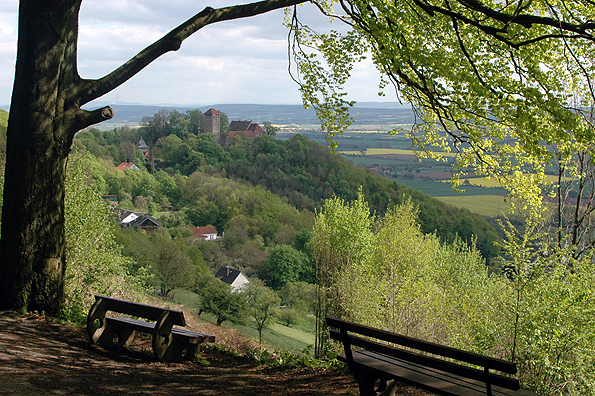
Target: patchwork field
[(485, 197)]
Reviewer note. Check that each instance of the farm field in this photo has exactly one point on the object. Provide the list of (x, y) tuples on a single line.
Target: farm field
[(480, 181), (389, 151), (485, 205), (444, 189), (484, 197)]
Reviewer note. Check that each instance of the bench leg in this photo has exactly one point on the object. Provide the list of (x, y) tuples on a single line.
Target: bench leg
[(175, 352), (370, 385), (165, 348), (366, 382), (125, 337)]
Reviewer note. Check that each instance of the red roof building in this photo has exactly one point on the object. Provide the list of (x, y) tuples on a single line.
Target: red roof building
[(127, 165), (208, 233), (251, 130)]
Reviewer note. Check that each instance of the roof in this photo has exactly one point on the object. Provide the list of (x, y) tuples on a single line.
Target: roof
[(256, 129), (228, 275), (240, 126), (141, 144), (145, 221), (127, 165), (212, 111), (201, 232), (251, 130), (126, 216), (136, 219)]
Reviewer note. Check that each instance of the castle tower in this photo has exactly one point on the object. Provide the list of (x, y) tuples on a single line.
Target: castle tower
[(213, 123), (142, 146)]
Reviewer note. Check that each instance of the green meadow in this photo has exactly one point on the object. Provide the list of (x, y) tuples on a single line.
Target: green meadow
[(276, 336)]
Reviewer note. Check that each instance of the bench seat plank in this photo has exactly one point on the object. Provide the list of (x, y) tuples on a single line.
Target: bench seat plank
[(376, 356), (141, 310), (192, 337), (430, 379), (428, 361)]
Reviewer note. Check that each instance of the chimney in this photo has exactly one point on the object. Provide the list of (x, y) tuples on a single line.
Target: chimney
[(227, 270)]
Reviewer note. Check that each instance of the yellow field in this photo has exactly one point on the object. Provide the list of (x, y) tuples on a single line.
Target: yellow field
[(486, 205)]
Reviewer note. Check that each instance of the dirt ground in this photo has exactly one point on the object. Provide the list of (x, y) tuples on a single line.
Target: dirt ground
[(40, 357)]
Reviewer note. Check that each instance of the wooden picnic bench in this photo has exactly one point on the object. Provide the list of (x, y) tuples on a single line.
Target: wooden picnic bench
[(423, 364), (169, 343)]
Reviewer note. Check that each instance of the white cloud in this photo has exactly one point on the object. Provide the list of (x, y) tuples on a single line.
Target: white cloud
[(241, 61)]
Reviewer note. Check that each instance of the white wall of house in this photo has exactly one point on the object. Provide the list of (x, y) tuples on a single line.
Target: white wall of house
[(130, 217), (240, 281), (210, 237)]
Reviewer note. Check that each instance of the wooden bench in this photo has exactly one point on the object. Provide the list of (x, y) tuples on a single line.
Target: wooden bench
[(426, 365), (169, 343)]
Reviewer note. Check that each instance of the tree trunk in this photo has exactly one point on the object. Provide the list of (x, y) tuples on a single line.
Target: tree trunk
[(40, 132), (45, 114)]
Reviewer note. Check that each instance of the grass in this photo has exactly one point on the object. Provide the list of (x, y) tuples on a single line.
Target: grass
[(277, 336), (296, 334)]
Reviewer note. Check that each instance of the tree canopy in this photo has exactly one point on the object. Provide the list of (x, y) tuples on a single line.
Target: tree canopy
[(507, 85)]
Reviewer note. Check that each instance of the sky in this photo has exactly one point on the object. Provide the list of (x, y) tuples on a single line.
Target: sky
[(241, 61)]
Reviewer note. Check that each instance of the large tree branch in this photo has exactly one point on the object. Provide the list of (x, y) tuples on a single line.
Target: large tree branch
[(580, 30), (93, 89), (527, 20)]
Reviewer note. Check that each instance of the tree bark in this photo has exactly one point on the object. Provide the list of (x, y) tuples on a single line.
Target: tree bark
[(38, 141), (45, 114)]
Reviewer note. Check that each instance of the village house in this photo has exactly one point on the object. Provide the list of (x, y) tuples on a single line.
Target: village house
[(246, 127), (127, 165), (208, 233), (129, 218), (233, 277)]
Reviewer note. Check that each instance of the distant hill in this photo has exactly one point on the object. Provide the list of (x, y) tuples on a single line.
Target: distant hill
[(364, 113)]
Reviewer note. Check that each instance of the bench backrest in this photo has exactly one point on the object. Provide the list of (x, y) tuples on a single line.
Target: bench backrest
[(344, 328), (141, 310)]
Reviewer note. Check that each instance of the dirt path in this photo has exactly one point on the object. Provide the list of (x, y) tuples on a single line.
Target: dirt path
[(39, 357)]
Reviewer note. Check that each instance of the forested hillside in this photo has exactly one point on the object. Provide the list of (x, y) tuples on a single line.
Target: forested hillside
[(302, 172)]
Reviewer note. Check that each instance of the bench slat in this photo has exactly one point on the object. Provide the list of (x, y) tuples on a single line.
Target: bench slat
[(141, 310), (428, 361), (192, 337), (426, 378), (430, 347), (188, 336)]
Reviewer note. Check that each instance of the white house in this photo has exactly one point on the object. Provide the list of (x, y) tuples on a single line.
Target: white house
[(233, 277), (208, 233)]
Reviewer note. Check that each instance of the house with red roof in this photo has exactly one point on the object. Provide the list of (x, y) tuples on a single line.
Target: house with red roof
[(208, 233), (127, 165), (250, 129)]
